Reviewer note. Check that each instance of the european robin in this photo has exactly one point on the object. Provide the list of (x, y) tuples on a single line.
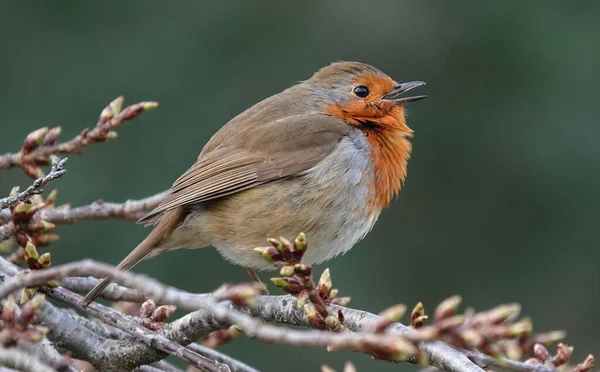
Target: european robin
[(324, 156)]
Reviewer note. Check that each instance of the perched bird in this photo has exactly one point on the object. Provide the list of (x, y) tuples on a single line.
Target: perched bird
[(323, 157)]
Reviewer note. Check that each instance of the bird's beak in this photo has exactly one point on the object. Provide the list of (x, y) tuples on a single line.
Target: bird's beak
[(392, 96)]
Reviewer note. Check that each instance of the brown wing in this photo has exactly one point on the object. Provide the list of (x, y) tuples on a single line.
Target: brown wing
[(276, 150)]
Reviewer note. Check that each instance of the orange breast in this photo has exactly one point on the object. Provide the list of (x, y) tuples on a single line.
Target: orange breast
[(386, 130)]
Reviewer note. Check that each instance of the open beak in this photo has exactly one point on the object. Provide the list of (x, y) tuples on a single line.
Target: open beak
[(392, 96)]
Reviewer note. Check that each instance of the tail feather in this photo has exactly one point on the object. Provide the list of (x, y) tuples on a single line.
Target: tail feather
[(165, 226)]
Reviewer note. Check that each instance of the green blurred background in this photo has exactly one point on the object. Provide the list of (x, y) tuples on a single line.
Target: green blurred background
[(501, 202)]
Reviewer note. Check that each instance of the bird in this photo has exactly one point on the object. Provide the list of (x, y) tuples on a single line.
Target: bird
[(324, 156)]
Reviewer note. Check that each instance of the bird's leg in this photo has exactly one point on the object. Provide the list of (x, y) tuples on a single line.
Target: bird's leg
[(255, 278)]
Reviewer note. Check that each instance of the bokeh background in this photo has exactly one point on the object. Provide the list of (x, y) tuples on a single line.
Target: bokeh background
[(501, 202)]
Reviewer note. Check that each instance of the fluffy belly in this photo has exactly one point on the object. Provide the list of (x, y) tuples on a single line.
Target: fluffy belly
[(329, 203)]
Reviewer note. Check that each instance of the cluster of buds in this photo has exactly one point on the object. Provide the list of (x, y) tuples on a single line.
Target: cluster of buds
[(284, 251), (560, 359), (30, 226), (41, 144), (152, 316), (297, 279), (112, 117), (39, 138), (482, 331), (496, 332), (34, 261), (18, 325), (217, 338)]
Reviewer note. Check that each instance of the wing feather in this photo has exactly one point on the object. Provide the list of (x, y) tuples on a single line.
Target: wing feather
[(235, 166)]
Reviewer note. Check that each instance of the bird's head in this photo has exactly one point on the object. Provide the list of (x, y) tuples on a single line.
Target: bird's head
[(362, 94)]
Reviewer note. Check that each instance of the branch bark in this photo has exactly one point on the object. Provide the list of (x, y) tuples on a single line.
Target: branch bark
[(37, 187)]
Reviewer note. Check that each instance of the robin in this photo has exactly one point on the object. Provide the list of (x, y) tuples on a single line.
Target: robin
[(324, 156)]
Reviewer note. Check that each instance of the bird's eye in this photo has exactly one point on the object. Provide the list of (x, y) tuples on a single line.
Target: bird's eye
[(361, 91)]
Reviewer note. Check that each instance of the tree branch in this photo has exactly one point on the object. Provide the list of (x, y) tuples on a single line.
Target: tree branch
[(40, 144), (130, 210), (438, 353), (148, 337), (36, 188), (23, 361)]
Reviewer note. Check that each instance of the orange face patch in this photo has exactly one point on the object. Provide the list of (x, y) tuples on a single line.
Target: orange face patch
[(370, 108), (387, 135)]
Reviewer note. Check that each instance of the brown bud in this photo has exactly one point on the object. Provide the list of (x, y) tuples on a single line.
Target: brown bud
[(418, 317), (14, 191), (498, 314), (540, 352), (52, 136), (21, 238), (290, 284), (147, 308), (45, 260), (402, 350), (586, 365), (9, 312), (45, 239), (300, 242), (325, 284), (41, 160), (302, 269), (450, 324), (53, 283), (303, 297), (116, 105), (111, 136), (286, 243), (34, 139), (521, 329), (512, 349), (276, 244), (287, 270), (42, 226), (447, 308), (333, 323), (26, 295), (313, 317), (341, 301), (163, 312), (244, 295), (21, 211), (31, 251), (33, 171), (51, 199), (31, 308), (563, 355), (388, 317), (471, 337)]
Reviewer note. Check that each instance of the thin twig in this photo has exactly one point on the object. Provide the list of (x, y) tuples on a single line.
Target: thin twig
[(36, 188), (99, 210)]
